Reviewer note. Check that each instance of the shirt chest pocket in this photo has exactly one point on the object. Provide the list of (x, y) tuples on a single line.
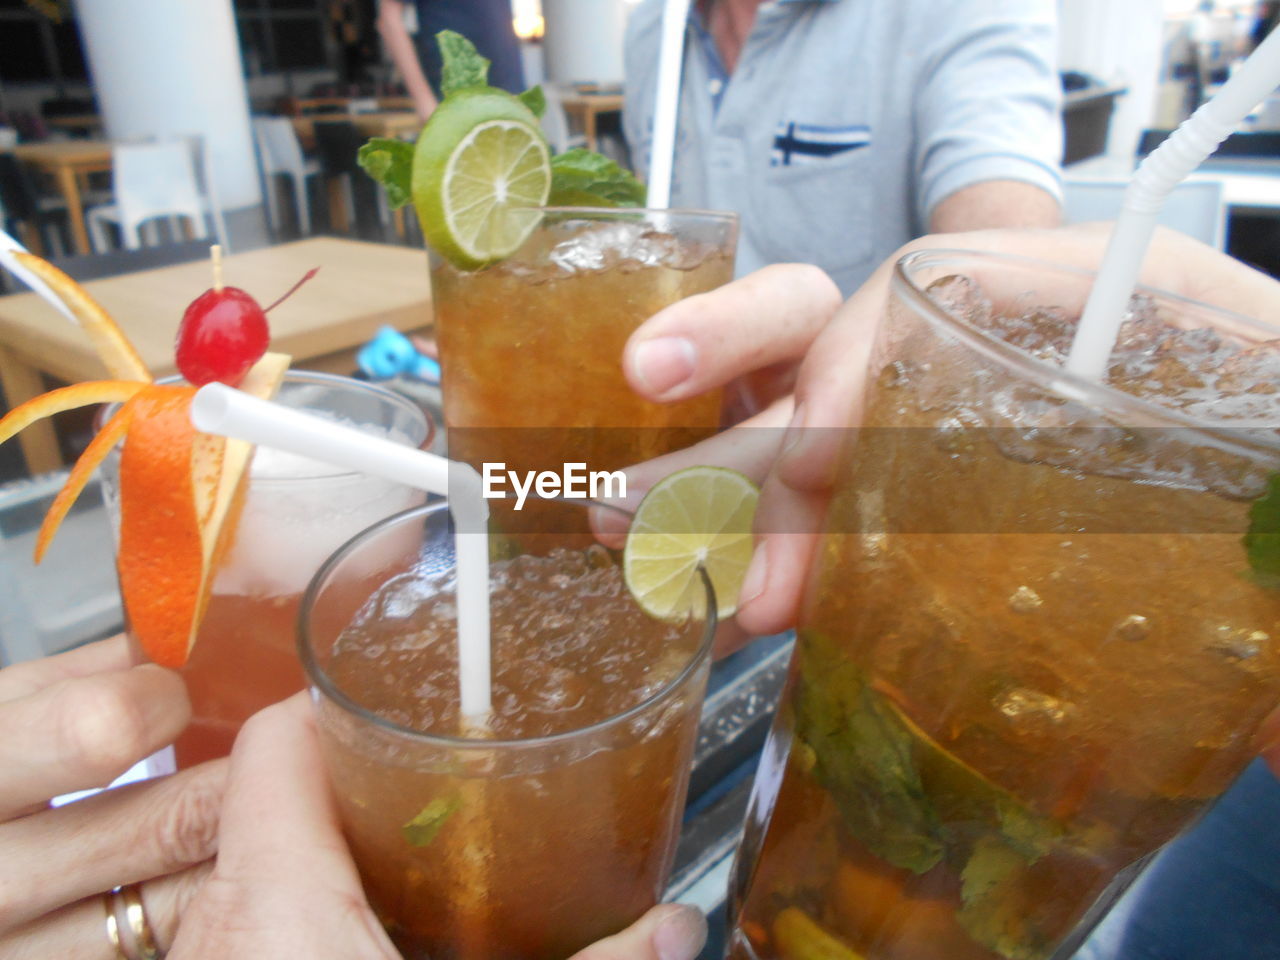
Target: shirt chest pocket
[(815, 209)]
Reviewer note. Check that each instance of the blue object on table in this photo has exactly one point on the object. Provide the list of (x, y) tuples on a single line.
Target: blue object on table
[(390, 354)]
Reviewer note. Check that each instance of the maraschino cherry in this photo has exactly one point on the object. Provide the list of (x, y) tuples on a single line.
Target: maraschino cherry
[(223, 333)]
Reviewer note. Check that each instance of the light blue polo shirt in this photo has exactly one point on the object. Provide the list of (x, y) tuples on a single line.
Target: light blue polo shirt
[(847, 121)]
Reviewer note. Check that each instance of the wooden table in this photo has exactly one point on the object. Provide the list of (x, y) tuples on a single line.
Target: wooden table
[(360, 287), (585, 107), (384, 123), (300, 106), (75, 121), (66, 161)]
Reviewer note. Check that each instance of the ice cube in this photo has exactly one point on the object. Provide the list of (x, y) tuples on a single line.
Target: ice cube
[(1142, 329), (1252, 370), (1022, 703), (1044, 332), (1025, 600), (1132, 629), (1238, 644), (598, 247), (962, 297)]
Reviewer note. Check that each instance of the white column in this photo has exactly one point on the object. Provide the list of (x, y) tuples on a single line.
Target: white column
[(583, 40), (1119, 43), (172, 67)]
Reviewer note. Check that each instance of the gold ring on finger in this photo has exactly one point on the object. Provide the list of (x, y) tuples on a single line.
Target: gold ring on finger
[(127, 928)]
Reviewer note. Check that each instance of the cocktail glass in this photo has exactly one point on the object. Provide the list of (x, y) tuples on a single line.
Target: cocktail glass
[(1037, 644), (531, 347), (295, 513), (531, 837)]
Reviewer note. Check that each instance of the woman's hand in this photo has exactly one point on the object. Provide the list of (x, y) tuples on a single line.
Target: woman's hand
[(284, 884), (74, 722)]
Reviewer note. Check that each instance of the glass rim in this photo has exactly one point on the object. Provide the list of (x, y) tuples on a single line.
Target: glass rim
[(318, 378), (1056, 379), (687, 213), (320, 681)]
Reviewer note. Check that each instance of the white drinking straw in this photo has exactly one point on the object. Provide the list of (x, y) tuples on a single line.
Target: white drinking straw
[(666, 113), (227, 412), (8, 247), (1164, 169)]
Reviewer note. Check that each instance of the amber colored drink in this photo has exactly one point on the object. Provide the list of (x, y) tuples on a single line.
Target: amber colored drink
[(296, 512), (531, 348), (1034, 648), (553, 825)]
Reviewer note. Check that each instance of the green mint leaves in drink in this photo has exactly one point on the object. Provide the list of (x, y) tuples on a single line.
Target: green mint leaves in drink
[(535, 100), (915, 805), (581, 178), (1262, 541), (422, 829), (864, 760), (461, 65), (994, 910), (390, 162), (482, 165)]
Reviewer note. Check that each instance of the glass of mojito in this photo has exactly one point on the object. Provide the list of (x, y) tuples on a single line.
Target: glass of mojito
[(555, 823), (531, 346), (1042, 632), (293, 514)]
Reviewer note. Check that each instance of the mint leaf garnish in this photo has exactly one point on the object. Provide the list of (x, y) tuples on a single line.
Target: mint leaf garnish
[(995, 910), (461, 64), (535, 100), (580, 177), (422, 829), (1262, 542), (864, 758), (390, 162)]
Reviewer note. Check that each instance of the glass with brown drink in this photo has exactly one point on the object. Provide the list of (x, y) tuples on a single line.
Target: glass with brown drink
[(1043, 628), (551, 824), (531, 347)]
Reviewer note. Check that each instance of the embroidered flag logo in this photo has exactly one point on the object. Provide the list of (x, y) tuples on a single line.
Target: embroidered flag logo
[(800, 143)]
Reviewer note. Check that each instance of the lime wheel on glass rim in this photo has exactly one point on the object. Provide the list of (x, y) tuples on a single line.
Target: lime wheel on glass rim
[(482, 167), (694, 521), (480, 171)]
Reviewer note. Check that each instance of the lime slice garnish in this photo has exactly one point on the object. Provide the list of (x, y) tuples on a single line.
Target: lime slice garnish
[(480, 170), (697, 517)]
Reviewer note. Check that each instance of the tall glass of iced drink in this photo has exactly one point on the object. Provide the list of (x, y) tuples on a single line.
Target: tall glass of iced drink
[(552, 824), (294, 514), (531, 347), (1043, 630)]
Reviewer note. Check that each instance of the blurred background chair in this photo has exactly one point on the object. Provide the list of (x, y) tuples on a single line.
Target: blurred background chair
[(39, 220), (1195, 207), (280, 153), (350, 189), (153, 180), (208, 186)]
